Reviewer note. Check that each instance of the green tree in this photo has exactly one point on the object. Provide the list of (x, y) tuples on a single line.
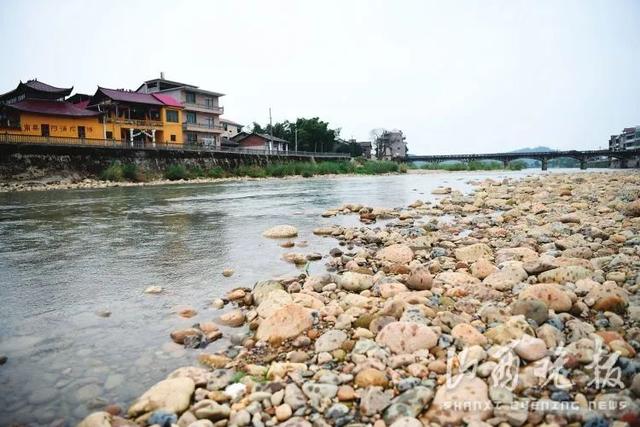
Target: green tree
[(352, 148), (313, 134)]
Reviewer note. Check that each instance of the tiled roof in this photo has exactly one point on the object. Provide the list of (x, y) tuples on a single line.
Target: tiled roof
[(167, 100), (55, 108), (243, 135), (35, 84), (127, 96), (231, 122), (34, 89)]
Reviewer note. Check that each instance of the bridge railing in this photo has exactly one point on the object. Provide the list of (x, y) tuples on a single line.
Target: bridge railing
[(9, 138), (578, 154)]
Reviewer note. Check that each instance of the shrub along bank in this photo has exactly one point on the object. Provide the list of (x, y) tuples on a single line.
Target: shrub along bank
[(133, 173), (474, 165)]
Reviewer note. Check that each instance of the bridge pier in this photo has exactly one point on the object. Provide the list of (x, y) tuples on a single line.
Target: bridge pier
[(623, 163), (505, 163), (583, 164), (545, 164)]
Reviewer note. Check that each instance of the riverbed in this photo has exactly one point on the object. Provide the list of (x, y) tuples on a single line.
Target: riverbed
[(68, 256)]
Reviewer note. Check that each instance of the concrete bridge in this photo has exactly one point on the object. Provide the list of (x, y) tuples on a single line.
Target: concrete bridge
[(583, 156)]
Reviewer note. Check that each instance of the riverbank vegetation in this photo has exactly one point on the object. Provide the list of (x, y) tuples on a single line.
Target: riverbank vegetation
[(130, 172), (474, 165)]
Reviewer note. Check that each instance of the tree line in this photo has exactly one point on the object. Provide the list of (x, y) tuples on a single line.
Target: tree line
[(312, 134)]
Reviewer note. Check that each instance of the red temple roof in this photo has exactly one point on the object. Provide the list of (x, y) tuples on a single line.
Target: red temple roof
[(55, 108), (33, 89), (123, 96), (167, 100), (43, 87)]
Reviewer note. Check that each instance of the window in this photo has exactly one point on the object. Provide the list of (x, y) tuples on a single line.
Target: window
[(172, 116), (44, 129), (191, 117), (208, 102), (81, 132), (210, 122), (190, 97), (109, 134), (192, 138), (154, 115), (173, 138)]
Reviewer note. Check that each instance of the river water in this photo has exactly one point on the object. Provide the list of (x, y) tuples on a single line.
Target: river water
[(65, 255)]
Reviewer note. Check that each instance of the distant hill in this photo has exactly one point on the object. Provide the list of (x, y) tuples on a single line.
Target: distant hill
[(532, 149), (553, 163)]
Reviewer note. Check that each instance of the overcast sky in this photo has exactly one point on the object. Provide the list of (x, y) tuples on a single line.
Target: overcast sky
[(455, 76)]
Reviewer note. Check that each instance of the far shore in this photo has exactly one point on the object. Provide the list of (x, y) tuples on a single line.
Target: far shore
[(69, 183)]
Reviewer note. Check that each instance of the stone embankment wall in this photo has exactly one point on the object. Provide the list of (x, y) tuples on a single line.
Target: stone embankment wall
[(27, 161)]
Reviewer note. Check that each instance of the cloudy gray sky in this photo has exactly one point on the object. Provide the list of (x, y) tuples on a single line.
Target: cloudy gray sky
[(455, 76)]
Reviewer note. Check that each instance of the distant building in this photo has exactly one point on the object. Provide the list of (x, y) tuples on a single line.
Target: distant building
[(627, 140), (201, 116), (260, 141), (391, 145), (230, 128), (367, 149)]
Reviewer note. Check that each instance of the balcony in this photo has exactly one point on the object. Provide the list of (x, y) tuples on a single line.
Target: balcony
[(202, 127), (135, 122), (203, 108)]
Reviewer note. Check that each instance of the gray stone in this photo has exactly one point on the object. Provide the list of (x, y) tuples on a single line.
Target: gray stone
[(635, 385), (319, 395), (261, 290), (408, 404), (533, 309), (294, 397), (296, 422), (330, 340), (240, 418), (374, 400), (500, 395), (210, 410), (220, 378), (337, 410), (407, 384)]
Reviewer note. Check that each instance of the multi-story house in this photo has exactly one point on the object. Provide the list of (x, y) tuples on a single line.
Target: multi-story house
[(201, 115), (231, 128), (391, 145), (627, 140)]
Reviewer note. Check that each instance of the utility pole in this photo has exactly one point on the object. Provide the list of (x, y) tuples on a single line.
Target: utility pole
[(270, 130)]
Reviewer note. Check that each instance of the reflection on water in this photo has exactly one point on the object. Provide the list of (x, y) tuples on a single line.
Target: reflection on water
[(64, 255)]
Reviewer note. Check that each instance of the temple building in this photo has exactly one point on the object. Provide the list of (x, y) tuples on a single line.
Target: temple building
[(37, 109), (138, 117)]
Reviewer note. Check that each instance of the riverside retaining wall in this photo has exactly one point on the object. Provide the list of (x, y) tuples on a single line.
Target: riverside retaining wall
[(29, 161)]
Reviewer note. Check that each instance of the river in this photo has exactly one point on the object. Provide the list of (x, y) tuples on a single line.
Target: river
[(66, 255)]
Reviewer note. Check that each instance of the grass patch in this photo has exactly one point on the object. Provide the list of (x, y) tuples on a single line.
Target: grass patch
[(131, 172), (176, 172), (238, 376), (474, 165), (118, 172), (216, 172), (196, 172), (372, 167)]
